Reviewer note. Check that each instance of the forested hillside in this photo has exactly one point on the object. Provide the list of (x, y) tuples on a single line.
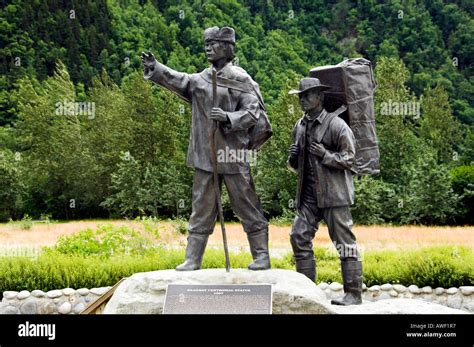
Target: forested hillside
[(127, 157)]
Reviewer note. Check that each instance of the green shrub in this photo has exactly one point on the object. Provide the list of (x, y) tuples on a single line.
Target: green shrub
[(434, 266), (374, 201), (26, 222), (180, 225), (108, 240), (445, 266)]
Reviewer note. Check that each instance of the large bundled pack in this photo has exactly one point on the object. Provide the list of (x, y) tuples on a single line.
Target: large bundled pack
[(352, 84)]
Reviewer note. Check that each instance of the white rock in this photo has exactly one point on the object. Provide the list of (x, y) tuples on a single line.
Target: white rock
[(79, 308), (23, 294), (83, 291), (45, 306), (439, 291), (38, 293), (98, 291), (470, 306), (65, 308), (454, 301), (335, 286), (467, 290), (374, 288), (427, 290), (364, 286), (28, 307), (452, 290), (414, 289), (10, 295), (386, 287), (8, 309), (323, 285), (68, 291), (54, 294), (143, 293), (442, 299), (400, 288), (397, 306), (366, 296)]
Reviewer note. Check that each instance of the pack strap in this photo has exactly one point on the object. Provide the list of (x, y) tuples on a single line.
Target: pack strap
[(237, 85), (327, 122)]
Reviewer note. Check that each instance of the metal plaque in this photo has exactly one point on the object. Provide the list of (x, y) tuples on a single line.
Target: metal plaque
[(218, 299)]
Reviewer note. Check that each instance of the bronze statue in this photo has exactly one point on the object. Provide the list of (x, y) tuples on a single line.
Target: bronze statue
[(228, 116), (322, 155)]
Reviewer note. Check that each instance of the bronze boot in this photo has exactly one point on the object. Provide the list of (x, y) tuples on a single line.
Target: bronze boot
[(352, 277), (194, 252), (307, 267), (259, 248)]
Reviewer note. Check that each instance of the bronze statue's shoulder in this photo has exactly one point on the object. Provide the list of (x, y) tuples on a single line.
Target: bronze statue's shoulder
[(239, 74)]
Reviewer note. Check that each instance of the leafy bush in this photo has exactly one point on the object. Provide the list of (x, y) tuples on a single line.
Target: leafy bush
[(180, 225), (424, 195), (374, 199), (108, 240), (26, 222)]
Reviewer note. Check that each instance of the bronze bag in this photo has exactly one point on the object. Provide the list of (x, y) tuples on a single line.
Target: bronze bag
[(352, 84)]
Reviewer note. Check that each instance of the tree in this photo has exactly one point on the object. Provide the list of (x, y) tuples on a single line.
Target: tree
[(54, 156), (438, 126), (11, 186), (276, 184)]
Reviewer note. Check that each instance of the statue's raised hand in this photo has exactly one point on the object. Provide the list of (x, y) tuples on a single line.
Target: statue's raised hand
[(148, 61)]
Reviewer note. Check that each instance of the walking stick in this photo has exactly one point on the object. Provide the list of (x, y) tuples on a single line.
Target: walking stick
[(215, 177)]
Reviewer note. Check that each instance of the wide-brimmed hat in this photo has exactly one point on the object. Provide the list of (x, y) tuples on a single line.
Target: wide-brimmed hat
[(309, 83), (225, 34)]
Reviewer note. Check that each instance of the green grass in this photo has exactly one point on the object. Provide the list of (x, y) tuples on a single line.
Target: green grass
[(101, 257), (434, 266)]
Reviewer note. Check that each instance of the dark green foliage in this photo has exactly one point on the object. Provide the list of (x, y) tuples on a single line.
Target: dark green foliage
[(11, 187), (375, 200), (273, 39), (463, 185), (129, 159), (275, 183)]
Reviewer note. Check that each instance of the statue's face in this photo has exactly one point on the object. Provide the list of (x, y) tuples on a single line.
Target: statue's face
[(310, 99), (215, 50)]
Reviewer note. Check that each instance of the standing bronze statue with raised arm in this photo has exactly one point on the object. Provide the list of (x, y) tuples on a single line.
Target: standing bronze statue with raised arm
[(322, 155), (231, 99)]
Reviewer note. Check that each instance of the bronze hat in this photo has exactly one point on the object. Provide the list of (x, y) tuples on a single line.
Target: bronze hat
[(224, 34), (307, 84)]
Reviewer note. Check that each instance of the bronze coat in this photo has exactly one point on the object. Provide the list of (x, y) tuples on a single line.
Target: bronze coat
[(241, 108), (333, 173)]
